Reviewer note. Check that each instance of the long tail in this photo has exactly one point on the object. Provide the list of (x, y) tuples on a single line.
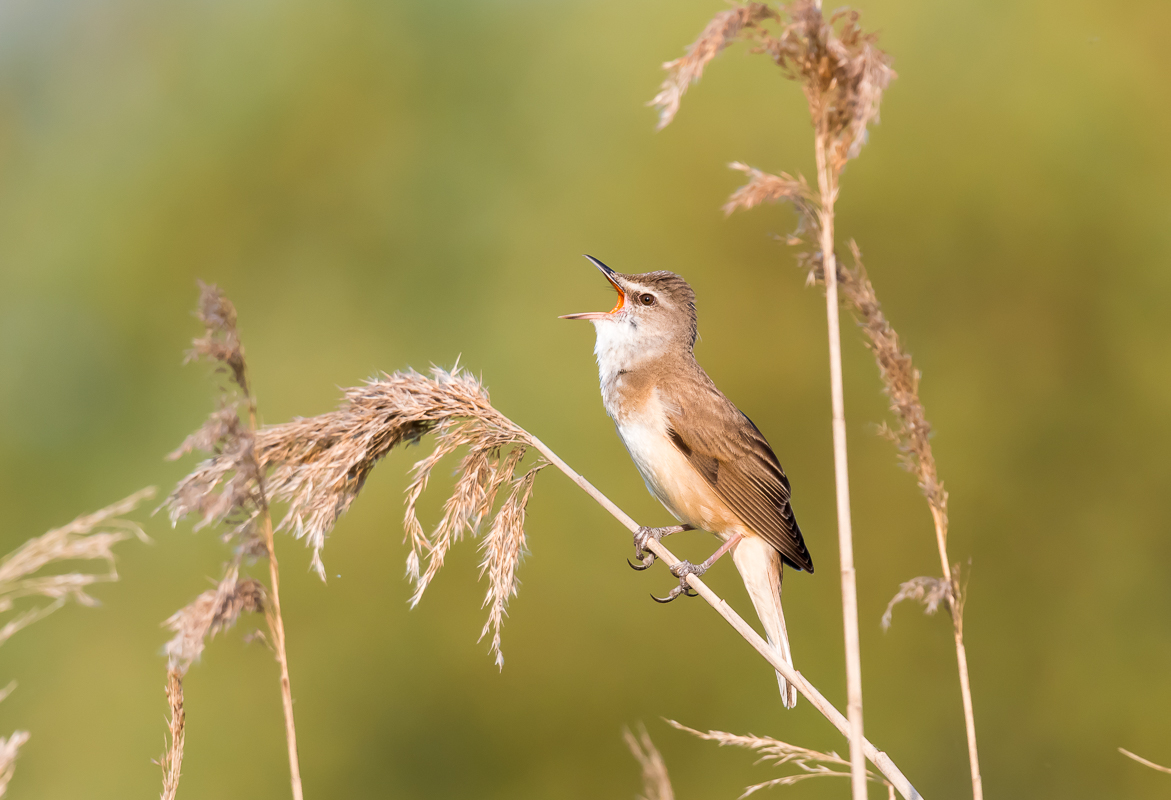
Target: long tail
[(760, 567)]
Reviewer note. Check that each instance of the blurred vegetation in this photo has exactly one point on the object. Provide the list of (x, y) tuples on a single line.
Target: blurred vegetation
[(379, 185)]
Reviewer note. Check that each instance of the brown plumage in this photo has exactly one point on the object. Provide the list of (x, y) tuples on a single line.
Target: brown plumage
[(700, 456)]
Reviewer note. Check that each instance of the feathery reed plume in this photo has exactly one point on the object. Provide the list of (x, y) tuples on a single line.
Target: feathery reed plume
[(320, 464), (213, 611), (194, 626), (172, 760), (724, 29), (503, 548), (843, 75), (88, 538), (656, 783), (811, 763), (931, 592), (9, 748), (765, 188), (240, 501), (1125, 752)]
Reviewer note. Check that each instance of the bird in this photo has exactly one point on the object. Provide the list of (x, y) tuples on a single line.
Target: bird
[(700, 456)]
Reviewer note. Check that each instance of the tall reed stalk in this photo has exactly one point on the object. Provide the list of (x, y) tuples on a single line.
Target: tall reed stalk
[(242, 503), (843, 75), (827, 186), (30, 575)]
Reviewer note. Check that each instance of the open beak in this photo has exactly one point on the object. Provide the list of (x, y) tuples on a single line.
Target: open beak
[(609, 273)]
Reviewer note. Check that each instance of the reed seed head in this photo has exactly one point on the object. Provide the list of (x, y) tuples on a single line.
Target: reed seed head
[(9, 749), (656, 783), (843, 72), (724, 29), (88, 538), (213, 611), (809, 763)]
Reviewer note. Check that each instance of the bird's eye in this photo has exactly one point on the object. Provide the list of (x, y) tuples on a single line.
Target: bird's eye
[(646, 299)]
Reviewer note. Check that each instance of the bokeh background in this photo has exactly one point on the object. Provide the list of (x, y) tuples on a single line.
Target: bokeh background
[(384, 184)]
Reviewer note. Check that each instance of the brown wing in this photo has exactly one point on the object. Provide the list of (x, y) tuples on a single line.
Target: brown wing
[(730, 452)]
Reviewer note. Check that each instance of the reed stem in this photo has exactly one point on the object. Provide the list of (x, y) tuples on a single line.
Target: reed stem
[(827, 185), (880, 759), (276, 627)]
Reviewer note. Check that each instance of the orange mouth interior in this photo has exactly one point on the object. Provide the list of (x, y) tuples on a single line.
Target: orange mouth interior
[(621, 297)]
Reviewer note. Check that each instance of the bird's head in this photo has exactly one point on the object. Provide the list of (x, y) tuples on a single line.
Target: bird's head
[(655, 314)]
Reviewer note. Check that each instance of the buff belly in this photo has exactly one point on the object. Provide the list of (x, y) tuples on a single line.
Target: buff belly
[(670, 477)]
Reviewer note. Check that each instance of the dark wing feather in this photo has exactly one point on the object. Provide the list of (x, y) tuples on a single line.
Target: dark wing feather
[(733, 457)]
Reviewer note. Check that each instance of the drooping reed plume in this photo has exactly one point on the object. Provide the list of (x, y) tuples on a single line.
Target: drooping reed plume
[(843, 75), (318, 465), (26, 573)]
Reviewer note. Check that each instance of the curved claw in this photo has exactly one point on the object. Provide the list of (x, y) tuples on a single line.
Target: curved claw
[(666, 599), (637, 567)]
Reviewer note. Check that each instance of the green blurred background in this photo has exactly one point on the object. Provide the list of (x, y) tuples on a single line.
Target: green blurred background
[(384, 184)]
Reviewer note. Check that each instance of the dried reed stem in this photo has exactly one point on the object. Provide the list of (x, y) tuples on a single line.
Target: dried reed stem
[(843, 76), (1125, 752), (880, 759), (172, 760), (827, 185), (276, 627), (656, 783)]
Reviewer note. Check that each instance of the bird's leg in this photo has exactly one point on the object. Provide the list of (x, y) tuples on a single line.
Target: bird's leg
[(685, 568), (643, 536)]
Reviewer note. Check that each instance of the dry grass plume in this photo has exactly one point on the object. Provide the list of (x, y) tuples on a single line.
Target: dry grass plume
[(656, 783), (26, 573), (807, 763)]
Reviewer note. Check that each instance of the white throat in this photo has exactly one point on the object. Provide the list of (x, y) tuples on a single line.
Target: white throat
[(619, 347)]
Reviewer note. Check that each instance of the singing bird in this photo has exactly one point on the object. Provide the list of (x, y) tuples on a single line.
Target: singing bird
[(704, 460)]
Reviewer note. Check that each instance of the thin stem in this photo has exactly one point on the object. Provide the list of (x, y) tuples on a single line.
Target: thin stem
[(969, 718), (1143, 761), (880, 759), (276, 627), (957, 621), (827, 184)]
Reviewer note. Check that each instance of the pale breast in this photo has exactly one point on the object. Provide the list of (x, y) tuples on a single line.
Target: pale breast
[(669, 476)]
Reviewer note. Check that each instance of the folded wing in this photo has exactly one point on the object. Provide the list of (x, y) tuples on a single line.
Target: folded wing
[(732, 455)]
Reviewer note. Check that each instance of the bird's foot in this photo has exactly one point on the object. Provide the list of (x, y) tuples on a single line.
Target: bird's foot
[(681, 571), (642, 538)]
